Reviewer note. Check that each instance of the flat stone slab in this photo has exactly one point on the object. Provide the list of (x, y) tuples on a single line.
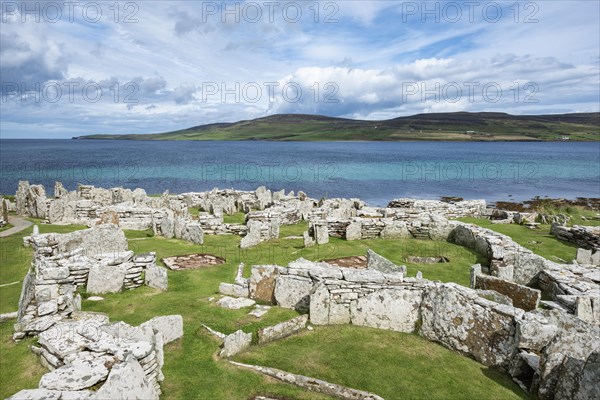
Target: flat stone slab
[(127, 381), (192, 261), (235, 343), (95, 298), (76, 377), (235, 303), (170, 326), (357, 262), (36, 394), (259, 311)]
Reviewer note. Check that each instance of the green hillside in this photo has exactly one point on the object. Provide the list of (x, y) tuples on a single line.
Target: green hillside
[(461, 126)]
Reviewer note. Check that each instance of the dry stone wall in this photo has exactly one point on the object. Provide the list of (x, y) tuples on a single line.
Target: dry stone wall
[(548, 352), (95, 258), (87, 352)]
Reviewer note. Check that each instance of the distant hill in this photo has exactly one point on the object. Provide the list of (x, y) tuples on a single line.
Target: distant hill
[(460, 126)]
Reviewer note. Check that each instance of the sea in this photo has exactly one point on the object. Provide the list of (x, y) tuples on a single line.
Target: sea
[(375, 172)]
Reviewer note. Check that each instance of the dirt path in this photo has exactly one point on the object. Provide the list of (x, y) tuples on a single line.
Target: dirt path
[(19, 224)]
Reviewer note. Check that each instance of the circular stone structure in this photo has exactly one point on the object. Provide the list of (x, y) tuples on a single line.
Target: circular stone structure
[(192, 261)]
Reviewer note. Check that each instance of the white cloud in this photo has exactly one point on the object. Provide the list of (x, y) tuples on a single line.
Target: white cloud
[(174, 51)]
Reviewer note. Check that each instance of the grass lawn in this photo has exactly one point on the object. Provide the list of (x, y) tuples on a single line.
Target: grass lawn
[(191, 369), (393, 365), (5, 227), (540, 241), (237, 218)]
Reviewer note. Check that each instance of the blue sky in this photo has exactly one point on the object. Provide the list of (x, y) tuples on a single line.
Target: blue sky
[(157, 66)]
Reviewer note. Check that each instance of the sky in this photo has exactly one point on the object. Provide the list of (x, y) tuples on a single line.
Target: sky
[(77, 68)]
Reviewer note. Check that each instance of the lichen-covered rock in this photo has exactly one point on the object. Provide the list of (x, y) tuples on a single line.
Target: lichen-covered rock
[(235, 303), (374, 309), (106, 279), (395, 230), (459, 319), (233, 289), (192, 232), (262, 282), (83, 375), (293, 292), (568, 360), (235, 343), (169, 326), (382, 264), (253, 236), (156, 277), (107, 238), (282, 330), (37, 394), (127, 380), (354, 231)]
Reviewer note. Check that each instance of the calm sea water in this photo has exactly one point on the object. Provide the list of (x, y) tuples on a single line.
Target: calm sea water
[(373, 171)]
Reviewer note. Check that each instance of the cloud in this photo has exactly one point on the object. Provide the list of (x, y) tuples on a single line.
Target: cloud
[(360, 62)]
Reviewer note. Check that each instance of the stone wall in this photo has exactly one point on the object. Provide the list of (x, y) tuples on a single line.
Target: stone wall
[(507, 260), (90, 358), (522, 296), (586, 237), (466, 208), (549, 353), (95, 258)]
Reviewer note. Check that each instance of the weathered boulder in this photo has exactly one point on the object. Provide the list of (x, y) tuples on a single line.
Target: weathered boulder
[(127, 380), (235, 343), (320, 305), (106, 279), (382, 264), (253, 236), (395, 230), (37, 394), (235, 303), (169, 326), (79, 376), (233, 289), (262, 282), (192, 232), (459, 319), (282, 330), (264, 197), (107, 238), (308, 240), (354, 231), (373, 310), (293, 292), (321, 233), (584, 256), (569, 361), (156, 277)]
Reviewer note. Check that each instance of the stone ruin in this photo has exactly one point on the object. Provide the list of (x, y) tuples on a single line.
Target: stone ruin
[(550, 353), (83, 350), (96, 259), (86, 351), (265, 211)]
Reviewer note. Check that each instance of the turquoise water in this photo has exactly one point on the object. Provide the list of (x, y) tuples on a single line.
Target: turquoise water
[(373, 171)]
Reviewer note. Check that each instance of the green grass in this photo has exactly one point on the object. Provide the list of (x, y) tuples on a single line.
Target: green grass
[(237, 218), (191, 369), (391, 364), (540, 241), (6, 227), (20, 368), (194, 211)]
